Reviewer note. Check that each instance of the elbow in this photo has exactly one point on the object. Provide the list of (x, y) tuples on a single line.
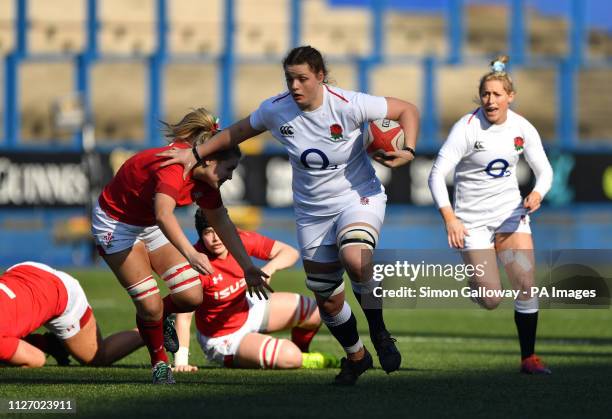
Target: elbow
[(294, 255)]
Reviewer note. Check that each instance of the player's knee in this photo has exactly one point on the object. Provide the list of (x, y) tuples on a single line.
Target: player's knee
[(306, 312), (326, 285), (277, 353), (143, 294), (189, 299), (182, 278), (290, 356), (489, 303)]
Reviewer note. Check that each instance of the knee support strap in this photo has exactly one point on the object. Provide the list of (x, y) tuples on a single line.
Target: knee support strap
[(357, 235), (326, 284), (181, 277), (143, 289)]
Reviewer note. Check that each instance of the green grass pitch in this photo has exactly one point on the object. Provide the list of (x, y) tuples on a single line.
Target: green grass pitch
[(455, 363)]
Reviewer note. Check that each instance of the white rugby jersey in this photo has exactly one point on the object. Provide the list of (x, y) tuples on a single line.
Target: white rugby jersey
[(484, 157), (325, 146)]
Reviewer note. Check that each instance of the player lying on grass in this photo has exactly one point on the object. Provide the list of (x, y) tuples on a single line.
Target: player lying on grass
[(137, 233), (232, 326), (34, 295)]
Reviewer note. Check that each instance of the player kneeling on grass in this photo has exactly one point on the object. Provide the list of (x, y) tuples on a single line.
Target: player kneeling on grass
[(33, 295), (137, 233), (231, 324)]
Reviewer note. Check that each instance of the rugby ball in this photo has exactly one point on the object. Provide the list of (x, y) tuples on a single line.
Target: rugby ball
[(383, 135)]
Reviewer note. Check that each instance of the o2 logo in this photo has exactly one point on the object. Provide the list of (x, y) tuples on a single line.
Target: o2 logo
[(321, 163), (498, 168)]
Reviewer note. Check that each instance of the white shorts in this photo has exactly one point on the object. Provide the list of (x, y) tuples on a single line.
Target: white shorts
[(483, 237), (67, 324), (317, 235), (218, 348), (113, 236)]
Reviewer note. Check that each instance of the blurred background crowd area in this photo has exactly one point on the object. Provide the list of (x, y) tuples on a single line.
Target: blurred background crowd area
[(135, 61), (85, 83)]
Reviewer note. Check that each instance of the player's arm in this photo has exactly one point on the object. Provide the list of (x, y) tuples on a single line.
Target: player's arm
[(167, 222), (223, 140), (449, 156), (281, 256), (26, 355), (226, 230), (183, 330), (537, 160), (407, 115)]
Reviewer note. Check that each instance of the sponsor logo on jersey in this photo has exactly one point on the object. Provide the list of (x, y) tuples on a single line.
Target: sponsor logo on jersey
[(286, 130), (364, 200), (335, 131), (479, 146), (519, 143), (228, 291), (498, 168)]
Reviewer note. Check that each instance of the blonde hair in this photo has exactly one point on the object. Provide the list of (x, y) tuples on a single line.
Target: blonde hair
[(196, 127), (498, 72)]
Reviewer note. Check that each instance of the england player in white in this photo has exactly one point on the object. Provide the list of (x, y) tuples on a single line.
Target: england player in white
[(483, 149), (338, 201)]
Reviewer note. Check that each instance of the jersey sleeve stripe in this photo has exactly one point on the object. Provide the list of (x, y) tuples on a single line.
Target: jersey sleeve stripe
[(473, 114), (336, 94)]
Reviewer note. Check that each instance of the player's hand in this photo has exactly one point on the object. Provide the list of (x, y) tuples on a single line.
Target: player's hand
[(393, 158), (184, 368), (532, 202), (256, 282), (199, 262), (456, 234), (182, 156)]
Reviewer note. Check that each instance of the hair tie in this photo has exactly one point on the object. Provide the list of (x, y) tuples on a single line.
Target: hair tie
[(498, 67), (215, 127)]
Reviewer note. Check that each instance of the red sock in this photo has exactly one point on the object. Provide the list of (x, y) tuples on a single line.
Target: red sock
[(152, 334), (302, 337)]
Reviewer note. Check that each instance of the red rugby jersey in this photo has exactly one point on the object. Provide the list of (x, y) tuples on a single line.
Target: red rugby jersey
[(30, 296), (225, 308), (128, 197)]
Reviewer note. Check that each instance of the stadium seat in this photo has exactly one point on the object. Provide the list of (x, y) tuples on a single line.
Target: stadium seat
[(547, 35), (486, 29), (40, 85), (7, 28), (594, 101), (195, 27), (402, 81), (190, 86), (57, 26), (338, 30), (127, 27), (118, 97), (408, 33), (259, 25), (537, 99)]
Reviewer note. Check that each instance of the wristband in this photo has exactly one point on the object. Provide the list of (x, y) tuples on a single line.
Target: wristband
[(410, 150), (181, 357), (194, 150)]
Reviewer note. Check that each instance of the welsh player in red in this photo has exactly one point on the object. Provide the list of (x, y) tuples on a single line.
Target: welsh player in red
[(136, 232), (33, 295), (232, 327)]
